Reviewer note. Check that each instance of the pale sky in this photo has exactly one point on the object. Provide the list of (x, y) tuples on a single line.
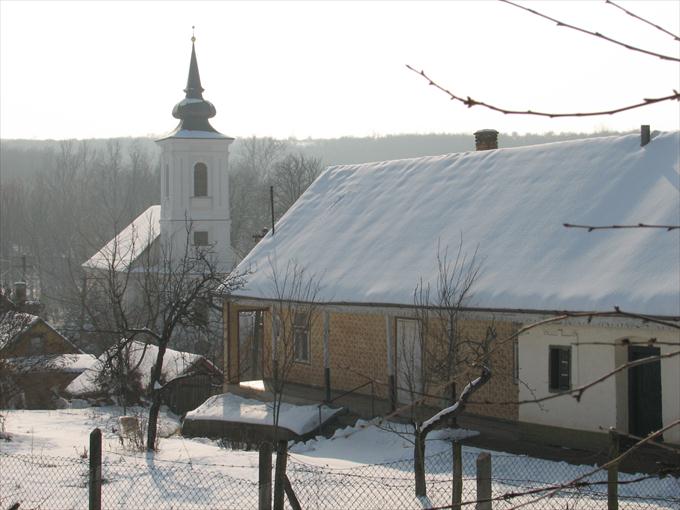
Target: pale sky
[(328, 69)]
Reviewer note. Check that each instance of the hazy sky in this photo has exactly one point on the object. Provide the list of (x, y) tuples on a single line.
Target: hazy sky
[(327, 69)]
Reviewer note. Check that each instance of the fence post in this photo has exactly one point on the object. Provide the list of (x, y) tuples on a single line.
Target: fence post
[(264, 500), (484, 481), (95, 479), (292, 498), (280, 473), (457, 485), (613, 472)]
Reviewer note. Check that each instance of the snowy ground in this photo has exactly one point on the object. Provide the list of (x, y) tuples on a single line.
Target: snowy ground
[(42, 467)]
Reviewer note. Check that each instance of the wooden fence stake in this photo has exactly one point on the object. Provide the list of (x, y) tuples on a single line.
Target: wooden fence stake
[(613, 472), (95, 478), (457, 485), (264, 500), (280, 473), (292, 498), (484, 481)]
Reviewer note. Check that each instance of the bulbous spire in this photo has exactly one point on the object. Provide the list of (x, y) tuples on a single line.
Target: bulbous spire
[(194, 111)]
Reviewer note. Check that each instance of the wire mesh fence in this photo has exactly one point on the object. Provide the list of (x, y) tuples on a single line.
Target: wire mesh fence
[(515, 480), (43, 482)]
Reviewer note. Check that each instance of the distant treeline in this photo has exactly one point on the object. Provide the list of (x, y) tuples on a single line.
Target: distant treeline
[(26, 157)]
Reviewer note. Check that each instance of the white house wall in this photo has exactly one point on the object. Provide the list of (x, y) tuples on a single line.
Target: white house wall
[(595, 351)]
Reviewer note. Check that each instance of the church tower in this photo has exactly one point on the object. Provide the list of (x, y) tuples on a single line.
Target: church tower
[(194, 178)]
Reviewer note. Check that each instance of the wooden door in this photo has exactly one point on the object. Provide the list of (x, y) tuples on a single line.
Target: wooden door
[(409, 361), (644, 392)]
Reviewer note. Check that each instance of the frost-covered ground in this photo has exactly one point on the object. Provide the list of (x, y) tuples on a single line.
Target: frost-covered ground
[(42, 467)]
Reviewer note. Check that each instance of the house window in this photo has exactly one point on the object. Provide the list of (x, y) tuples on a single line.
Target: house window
[(200, 180), (37, 344), (200, 238), (301, 337), (559, 370)]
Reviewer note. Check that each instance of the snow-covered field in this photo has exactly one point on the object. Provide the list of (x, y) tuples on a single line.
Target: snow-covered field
[(43, 467)]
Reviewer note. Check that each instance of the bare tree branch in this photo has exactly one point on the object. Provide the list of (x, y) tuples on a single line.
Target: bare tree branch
[(643, 19), (590, 228), (594, 34), (469, 102)]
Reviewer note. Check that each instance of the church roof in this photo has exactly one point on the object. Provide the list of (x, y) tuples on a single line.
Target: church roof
[(194, 111), (124, 249), (370, 232)]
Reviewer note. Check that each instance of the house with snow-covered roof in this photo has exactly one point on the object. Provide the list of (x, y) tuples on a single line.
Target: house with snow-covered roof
[(369, 234)]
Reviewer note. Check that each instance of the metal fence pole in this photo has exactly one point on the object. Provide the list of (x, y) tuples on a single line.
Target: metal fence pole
[(95, 479), (613, 472), (457, 485), (264, 499), (279, 474), (484, 481)]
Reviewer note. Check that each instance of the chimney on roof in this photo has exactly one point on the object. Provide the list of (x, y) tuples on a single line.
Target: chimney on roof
[(486, 139), (645, 135), (20, 293)]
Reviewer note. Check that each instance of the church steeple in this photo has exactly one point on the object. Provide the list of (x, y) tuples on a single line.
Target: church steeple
[(194, 89), (193, 111)]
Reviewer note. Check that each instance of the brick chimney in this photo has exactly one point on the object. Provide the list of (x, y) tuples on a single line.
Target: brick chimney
[(645, 135), (19, 293), (486, 139)]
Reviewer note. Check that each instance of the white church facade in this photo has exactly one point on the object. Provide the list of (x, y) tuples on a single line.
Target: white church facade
[(193, 215), (194, 208)]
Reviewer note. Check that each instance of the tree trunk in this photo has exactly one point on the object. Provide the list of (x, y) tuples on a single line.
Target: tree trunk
[(155, 399), (419, 462)]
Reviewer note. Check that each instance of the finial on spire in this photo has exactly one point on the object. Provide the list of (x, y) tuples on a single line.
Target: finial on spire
[(193, 35)]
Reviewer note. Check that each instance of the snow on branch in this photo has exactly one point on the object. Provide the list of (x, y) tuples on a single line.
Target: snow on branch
[(459, 406), (594, 34), (470, 102)]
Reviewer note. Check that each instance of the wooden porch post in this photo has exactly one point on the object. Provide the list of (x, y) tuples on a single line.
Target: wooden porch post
[(326, 355), (389, 334), (231, 351)]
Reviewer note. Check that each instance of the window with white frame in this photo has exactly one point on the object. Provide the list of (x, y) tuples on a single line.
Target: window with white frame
[(301, 337)]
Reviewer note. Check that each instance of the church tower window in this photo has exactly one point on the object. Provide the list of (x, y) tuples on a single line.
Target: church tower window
[(200, 180)]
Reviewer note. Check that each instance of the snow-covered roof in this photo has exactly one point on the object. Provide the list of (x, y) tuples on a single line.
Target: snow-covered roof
[(130, 243), (228, 407), (12, 324), (71, 363), (142, 356), (369, 232)]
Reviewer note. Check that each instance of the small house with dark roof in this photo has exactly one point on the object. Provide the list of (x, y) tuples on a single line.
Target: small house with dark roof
[(36, 361)]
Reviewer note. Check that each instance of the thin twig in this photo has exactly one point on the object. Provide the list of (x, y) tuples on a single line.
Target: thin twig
[(594, 34), (642, 19), (590, 228), (469, 102)]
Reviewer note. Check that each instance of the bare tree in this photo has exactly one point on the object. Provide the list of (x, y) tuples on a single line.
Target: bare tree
[(294, 313), (439, 352), (157, 298), (290, 177)]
